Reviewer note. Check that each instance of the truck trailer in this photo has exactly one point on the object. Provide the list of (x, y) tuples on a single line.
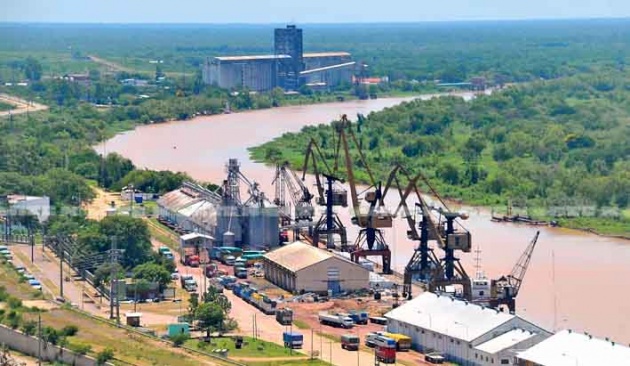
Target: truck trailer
[(335, 320), (284, 316), (292, 339), (350, 342)]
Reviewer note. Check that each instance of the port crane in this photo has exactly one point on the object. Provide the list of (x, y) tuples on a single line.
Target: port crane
[(424, 263), (370, 241), (329, 196), (505, 289), (288, 184)]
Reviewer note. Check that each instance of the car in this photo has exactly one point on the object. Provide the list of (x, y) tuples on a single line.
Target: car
[(35, 284), (28, 276), (174, 276), (20, 269), (434, 358)]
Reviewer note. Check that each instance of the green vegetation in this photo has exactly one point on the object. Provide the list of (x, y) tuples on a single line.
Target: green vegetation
[(251, 347), (5, 106), (300, 324), (558, 144), (307, 362)]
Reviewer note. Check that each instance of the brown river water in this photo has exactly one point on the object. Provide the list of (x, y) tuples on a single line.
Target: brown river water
[(575, 280)]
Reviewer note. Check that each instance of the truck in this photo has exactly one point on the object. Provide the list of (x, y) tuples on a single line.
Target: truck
[(403, 342), (335, 320), (350, 342), (292, 339), (284, 316), (189, 257), (183, 278), (240, 272), (359, 317), (211, 270), (166, 252), (385, 349)]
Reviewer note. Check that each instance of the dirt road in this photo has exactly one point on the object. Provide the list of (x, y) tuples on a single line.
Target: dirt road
[(112, 65), (21, 105), (97, 209)]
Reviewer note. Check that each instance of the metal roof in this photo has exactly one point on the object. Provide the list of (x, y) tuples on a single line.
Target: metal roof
[(298, 255), (191, 236), (176, 200), (568, 348), (251, 58), (325, 54), (446, 315), (505, 341), (326, 68)]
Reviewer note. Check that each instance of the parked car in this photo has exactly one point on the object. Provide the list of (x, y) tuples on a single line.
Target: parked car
[(174, 276), (20, 269), (28, 276), (435, 358), (35, 284)]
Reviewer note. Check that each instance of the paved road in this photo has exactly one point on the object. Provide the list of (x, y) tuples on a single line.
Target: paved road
[(21, 105)]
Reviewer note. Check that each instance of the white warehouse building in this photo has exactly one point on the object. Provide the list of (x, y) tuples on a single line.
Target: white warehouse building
[(463, 332), (568, 348)]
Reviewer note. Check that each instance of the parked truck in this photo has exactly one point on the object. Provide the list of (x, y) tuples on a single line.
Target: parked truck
[(284, 316), (292, 339), (335, 320), (350, 342), (385, 349), (359, 317), (189, 257), (183, 278)]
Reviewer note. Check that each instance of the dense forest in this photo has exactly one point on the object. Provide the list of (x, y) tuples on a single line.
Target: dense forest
[(449, 51), (561, 143)]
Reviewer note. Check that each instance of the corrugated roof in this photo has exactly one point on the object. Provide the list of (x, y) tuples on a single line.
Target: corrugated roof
[(251, 58), (190, 236), (569, 349), (298, 255), (176, 200), (325, 54), (448, 316), (505, 340), (326, 68)]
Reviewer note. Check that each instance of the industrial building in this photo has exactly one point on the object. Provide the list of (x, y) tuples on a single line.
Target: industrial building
[(288, 67), (465, 333), (36, 206), (252, 222), (568, 348), (300, 267)]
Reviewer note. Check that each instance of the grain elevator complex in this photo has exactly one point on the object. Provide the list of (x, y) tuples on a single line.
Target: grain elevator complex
[(288, 67)]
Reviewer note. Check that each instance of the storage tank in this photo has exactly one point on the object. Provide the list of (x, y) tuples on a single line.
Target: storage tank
[(229, 219), (261, 226), (228, 239)]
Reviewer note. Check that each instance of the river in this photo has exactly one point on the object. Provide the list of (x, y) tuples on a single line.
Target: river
[(575, 280)]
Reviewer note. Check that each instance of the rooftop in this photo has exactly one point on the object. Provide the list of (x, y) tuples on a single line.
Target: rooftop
[(568, 348), (505, 340), (191, 236), (326, 54), (16, 198), (446, 315), (326, 68), (298, 255), (251, 58)]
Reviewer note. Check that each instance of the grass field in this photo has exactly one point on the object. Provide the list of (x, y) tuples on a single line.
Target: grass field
[(300, 324), (251, 348), (5, 106), (14, 284), (163, 234)]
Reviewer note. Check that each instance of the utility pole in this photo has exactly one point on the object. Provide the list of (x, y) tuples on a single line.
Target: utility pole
[(32, 239), (39, 339), (312, 336), (113, 288), (59, 246)]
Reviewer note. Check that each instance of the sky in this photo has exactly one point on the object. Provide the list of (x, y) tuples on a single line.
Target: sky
[(302, 11)]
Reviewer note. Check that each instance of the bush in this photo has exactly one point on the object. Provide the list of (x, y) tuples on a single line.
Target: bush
[(179, 339), (29, 327), (80, 348), (69, 330), (14, 303), (50, 335), (104, 356)]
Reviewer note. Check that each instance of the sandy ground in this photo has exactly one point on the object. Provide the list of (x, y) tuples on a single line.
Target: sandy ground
[(96, 209), (21, 105)]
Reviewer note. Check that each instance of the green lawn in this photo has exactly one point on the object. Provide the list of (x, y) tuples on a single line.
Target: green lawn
[(5, 106), (300, 324), (251, 348), (163, 234)]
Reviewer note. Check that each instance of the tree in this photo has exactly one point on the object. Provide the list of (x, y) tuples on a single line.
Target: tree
[(32, 69), (214, 296), (29, 327), (104, 356), (210, 317), (132, 236), (152, 272)]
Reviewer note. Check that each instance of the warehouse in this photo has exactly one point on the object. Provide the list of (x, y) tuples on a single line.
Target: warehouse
[(300, 267), (568, 348), (463, 332)]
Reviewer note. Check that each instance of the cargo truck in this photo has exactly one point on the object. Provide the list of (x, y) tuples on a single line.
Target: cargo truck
[(385, 349), (350, 342), (359, 317), (189, 257), (335, 320), (284, 316), (183, 278), (292, 339), (403, 342)]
